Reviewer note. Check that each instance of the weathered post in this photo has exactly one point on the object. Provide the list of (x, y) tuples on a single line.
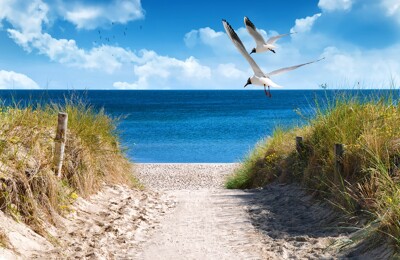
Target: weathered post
[(299, 144), (60, 139), (339, 151)]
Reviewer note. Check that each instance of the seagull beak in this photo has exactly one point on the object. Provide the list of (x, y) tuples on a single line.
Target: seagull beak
[(246, 84), (252, 51)]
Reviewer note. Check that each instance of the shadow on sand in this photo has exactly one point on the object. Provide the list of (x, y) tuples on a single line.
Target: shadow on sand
[(291, 219)]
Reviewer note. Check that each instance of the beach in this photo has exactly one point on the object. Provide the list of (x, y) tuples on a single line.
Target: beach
[(184, 212), (211, 222), (252, 130)]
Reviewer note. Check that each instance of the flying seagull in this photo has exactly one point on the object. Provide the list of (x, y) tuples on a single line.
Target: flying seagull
[(262, 46), (259, 78)]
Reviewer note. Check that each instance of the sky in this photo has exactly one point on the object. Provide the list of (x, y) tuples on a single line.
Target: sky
[(179, 44)]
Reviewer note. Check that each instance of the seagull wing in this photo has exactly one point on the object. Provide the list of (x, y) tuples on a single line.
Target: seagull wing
[(239, 45), (272, 40), (275, 72), (253, 32)]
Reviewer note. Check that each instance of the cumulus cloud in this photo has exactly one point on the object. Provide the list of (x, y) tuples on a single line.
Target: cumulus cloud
[(208, 37), (392, 8), (27, 21), (335, 5), (230, 71), (345, 63), (83, 14), (161, 72), (375, 66), (149, 68), (218, 41), (96, 14), (224, 67), (104, 58), (164, 72), (14, 80), (191, 38), (303, 25)]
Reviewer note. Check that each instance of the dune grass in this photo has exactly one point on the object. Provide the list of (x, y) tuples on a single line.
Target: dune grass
[(369, 128), (29, 189), (3, 240)]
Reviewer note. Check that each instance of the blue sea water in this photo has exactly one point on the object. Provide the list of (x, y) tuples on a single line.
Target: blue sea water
[(189, 126)]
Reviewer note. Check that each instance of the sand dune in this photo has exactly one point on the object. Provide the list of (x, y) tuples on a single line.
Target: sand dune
[(185, 213)]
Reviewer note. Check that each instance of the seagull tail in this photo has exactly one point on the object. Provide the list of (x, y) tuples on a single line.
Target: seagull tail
[(272, 84)]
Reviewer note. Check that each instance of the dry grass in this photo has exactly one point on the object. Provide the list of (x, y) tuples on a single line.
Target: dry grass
[(29, 189), (370, 183), (3, 240)]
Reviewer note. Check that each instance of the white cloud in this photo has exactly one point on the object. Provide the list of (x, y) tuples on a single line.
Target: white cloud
[(104, 58), (375, 66), (13, 80), (219, 41), (392, 8), (207, 36), (303, 25), (230, 71), (150, 70), (27, 32), (191, 38), (127, 86), (164, 73), (224, 67), (345, 63), (5, 7), (335, 5), (161, 72), (93, 15), (26, 19)]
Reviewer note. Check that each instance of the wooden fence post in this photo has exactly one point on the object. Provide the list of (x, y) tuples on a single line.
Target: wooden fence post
[(339, 151), (60, 139), (299, 144)]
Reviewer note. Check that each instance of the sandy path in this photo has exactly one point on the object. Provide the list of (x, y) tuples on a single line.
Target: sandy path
[(205, 225), (112, 224), (187, 214), (209, 222)]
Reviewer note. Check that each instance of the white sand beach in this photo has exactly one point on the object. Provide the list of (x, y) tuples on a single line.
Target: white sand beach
[(185, 213)]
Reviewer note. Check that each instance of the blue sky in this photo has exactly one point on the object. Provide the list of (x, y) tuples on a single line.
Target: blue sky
[(176, 44)]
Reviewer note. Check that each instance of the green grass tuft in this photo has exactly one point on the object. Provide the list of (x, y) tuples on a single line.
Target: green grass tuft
[(29, 189), (369, 129)]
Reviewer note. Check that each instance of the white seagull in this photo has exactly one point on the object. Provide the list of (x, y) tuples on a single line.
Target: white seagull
[(262, 46), (259, 78)]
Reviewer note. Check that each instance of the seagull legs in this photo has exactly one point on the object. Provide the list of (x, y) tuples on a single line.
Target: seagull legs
[(267, 93)]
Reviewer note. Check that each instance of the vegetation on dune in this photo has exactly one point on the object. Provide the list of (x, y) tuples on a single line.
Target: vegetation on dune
[(29, 188), (3, 239), (370, 181)]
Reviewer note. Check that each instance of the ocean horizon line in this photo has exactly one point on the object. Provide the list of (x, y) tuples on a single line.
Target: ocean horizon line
[(261, 90)]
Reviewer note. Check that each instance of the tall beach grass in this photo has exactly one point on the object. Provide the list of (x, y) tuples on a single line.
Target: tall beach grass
[(369, 128), (29, 189)]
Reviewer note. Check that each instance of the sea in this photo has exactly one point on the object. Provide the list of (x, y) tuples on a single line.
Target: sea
[(190, 126)]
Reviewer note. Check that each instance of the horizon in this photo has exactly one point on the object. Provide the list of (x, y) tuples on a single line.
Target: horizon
[(134, 44), (205, 89)]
